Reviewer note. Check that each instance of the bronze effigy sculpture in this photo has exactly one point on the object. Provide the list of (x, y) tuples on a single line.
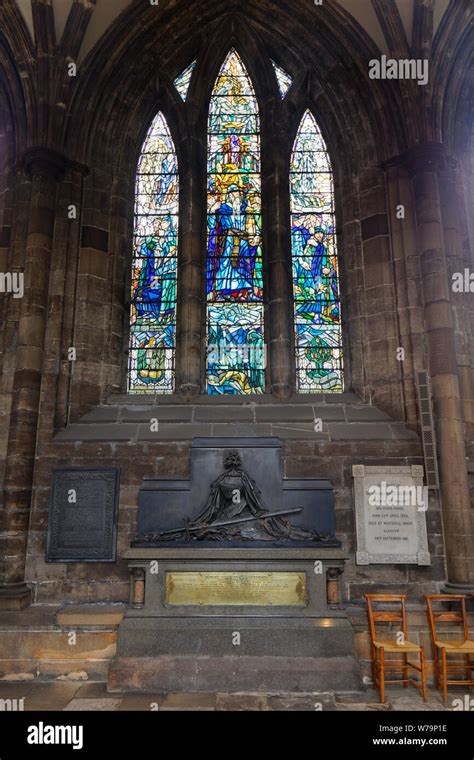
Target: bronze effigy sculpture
[(234, 512)]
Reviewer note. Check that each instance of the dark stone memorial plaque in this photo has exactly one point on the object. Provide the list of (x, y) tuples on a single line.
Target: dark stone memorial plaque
[(83, 515)]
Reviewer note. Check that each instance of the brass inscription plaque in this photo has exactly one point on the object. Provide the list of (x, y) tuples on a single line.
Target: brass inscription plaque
[(236, 588)]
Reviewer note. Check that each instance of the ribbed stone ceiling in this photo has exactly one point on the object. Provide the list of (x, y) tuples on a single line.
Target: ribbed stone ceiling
[(107, 11)]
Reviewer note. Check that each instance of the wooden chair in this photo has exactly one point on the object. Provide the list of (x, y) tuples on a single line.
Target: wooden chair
[(397, 645), (460, 646)]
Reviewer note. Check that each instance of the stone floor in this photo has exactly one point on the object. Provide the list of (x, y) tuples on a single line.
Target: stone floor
[(93, 696)]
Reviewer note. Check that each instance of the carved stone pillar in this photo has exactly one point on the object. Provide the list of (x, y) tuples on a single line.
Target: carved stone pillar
[(424, 163), (279, 324), (189, 339), (45, 168)]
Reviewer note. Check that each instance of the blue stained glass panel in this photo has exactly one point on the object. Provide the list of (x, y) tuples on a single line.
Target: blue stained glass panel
[(318, 339), (236, 353), (234, 281), (154, 265)]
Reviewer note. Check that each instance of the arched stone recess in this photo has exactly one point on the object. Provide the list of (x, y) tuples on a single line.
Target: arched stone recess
[(118, 92)]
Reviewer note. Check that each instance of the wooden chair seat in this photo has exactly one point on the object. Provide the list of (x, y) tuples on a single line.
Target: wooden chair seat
[(465, 647), (448, 611), (393, 614), (392, 646)]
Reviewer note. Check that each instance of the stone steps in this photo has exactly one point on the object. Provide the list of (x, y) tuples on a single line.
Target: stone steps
[(343, 417), (36, 644)]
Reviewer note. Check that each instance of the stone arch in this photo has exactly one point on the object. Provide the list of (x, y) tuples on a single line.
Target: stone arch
[(123, 83), (453, 78), (18, 105), (337, 38)]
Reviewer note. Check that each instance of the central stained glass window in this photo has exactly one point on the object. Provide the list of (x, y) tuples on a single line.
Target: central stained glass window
[(235, 311)]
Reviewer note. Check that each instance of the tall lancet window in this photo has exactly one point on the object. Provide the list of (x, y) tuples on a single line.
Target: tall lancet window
[(235, 313), (315, 266), (153, 297)]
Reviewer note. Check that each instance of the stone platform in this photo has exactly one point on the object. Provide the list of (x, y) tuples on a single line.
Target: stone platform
[(35, 643), (86, 697), (305, 645)]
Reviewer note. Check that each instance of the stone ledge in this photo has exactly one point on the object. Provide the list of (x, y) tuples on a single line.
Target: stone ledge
[(90, 615), (124, 399), (34, 616), (348, 420), (236, 554)]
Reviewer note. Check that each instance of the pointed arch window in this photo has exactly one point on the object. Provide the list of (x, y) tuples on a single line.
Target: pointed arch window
[(233, 273), (235, 312), (154, 266), (317, 308)]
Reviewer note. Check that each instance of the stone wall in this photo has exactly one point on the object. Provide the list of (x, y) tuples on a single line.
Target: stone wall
[(119, 435), (74, 142)]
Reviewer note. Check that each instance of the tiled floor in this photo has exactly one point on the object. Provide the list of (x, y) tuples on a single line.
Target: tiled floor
[(93, 696)]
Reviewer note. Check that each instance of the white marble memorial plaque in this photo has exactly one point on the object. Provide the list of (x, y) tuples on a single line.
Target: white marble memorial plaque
[(390, 508)]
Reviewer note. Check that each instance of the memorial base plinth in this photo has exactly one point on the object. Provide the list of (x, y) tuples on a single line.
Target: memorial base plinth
[(236, 674), (223, 643)]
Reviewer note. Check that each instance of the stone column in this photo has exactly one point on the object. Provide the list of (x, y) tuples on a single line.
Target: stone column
[(407, 276), (425, 162), (189, 340), (45, 167), (278, 291), (459, 259)]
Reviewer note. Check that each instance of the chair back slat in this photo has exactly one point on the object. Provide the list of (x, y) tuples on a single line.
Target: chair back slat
[(447, 617), (436, 616), (385, 597), (397, 615), (391, 617)]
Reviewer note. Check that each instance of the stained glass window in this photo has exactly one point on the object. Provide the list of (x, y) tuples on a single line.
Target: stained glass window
[(315, 265), (184, 80), (153, 297), (235, 330), (284, 80)]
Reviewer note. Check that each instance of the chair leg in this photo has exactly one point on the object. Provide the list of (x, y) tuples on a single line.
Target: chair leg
[(382, 675), (375, 667), (423, 673), (436, 667), (444, 676), (405, 671)]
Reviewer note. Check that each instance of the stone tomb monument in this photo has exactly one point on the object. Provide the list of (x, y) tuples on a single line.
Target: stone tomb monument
[(235, 580)]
